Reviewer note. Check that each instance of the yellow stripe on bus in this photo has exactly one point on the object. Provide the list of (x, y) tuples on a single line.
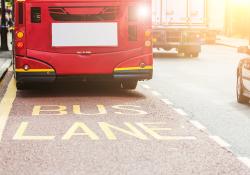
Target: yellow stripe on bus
[(35, 70), (134, 68)]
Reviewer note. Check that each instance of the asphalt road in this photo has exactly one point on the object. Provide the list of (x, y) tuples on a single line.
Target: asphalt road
[(205, 89), (96, 129)]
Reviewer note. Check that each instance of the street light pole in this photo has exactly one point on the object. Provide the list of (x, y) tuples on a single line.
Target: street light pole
[(4, 31), (228, 18), (248, 22)]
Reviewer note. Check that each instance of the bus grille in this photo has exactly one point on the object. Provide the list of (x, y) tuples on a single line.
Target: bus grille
[(83, 13)]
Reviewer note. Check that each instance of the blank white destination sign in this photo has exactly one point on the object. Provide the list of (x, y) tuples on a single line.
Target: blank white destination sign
[(84, 34)]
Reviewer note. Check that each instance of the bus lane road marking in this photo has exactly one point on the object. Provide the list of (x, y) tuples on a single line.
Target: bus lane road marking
[(79, 129), (112, 131), (80, 110), (138, 130), (6, 105)]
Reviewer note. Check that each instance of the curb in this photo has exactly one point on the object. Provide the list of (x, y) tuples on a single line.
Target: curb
[(227, 45), (4, 68)]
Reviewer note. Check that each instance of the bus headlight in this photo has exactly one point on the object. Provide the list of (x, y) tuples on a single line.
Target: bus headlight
[(143, 11)]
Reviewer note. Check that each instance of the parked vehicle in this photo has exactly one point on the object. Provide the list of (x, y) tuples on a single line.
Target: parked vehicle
[(83, 40), (243, 81), (186, 24)]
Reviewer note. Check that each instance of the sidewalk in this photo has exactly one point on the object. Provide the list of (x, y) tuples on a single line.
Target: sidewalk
[(5, 62), (231, 42)]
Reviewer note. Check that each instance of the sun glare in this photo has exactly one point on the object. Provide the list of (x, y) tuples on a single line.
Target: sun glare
[(240, 2)]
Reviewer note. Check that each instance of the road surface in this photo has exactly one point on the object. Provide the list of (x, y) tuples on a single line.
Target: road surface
[(96, 129)]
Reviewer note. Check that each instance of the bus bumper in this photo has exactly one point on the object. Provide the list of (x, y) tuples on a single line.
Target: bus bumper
[(138, 68), (35, 77), (133, 74), (52, 77)]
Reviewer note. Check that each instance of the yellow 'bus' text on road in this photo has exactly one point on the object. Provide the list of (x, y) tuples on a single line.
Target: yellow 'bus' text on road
[(59, 110)]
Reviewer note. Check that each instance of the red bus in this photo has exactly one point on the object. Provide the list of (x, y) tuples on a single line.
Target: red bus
[(82, 40)]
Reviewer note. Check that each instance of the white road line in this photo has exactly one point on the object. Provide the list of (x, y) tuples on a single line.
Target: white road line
[(181, 112), (145, 86), (6, 105), (220, 141), (167, 101), (245, 160), (198, 125), (156, 93)]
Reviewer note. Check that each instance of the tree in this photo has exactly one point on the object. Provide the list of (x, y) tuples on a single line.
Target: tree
[(4, 30)]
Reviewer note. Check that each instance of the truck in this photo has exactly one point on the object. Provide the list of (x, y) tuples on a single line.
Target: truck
[(186, 24)]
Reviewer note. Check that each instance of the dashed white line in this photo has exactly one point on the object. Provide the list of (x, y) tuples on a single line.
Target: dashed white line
[(220, 141), (198, 125), (167, 101), (245, 160), (156, 93), (145, 86), (181, 112)]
